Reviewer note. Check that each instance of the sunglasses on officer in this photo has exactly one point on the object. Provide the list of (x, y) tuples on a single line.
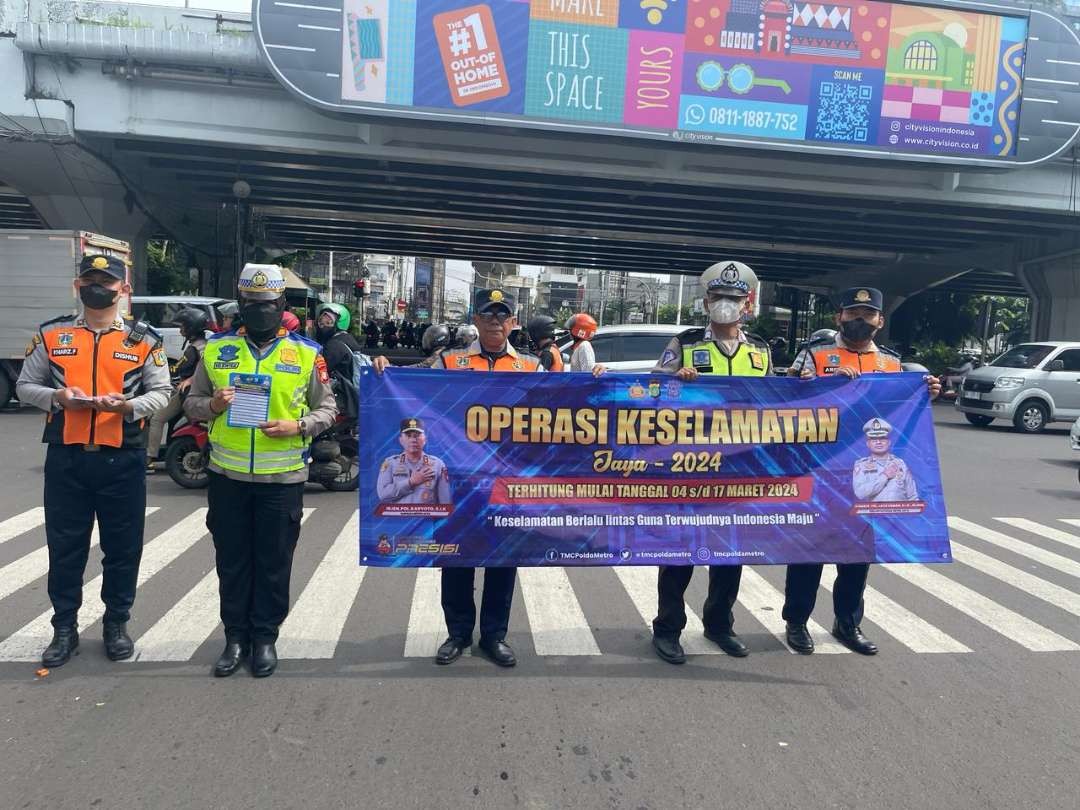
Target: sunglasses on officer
[(502, 316)]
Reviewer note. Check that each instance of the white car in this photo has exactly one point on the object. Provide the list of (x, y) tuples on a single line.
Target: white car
[(632, 347), (160, 311)]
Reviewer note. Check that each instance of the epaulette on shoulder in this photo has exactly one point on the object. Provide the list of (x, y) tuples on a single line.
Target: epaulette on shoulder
[(693, 335), (888, 351), (221, 335), (305, 340), (58, 321), (817, 343)]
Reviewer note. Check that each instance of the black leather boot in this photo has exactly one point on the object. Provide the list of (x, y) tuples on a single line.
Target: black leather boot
[(232, 657), (118, 644), (729, 643), (64, 644), (451, 650), (669, 649), (263, 659), (850, 635), (799, 638), (499, 652)]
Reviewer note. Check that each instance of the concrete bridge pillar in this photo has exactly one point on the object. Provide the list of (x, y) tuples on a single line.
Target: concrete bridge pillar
[(1054, 284)]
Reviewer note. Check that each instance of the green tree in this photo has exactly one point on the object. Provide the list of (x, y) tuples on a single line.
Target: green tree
[(166, 269), (667, 314)]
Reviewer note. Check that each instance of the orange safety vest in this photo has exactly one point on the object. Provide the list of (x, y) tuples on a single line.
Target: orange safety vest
[(830, 357), (556, 357), (458, 360), (98, 363)]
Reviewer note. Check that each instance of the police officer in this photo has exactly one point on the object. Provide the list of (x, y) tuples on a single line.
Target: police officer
[(542, 333), (881, 477), (413, 476), (849, 353), (721, 348), (493, 318), (193, 323), (258, 461), (99, 379)]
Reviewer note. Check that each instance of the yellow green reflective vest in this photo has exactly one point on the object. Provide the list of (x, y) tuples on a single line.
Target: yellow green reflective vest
[(750, 359), (289, 363)]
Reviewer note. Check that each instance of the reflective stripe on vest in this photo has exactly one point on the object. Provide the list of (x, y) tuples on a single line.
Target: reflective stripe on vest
[(289, 364), (706, 357), (829, 359), (478, 362), (98, 363)]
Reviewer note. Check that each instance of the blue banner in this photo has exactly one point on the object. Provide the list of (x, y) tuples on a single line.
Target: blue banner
[(470, 469)]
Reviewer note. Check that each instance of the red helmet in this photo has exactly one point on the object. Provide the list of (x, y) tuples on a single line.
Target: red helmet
[(290, 321), (582, 326)]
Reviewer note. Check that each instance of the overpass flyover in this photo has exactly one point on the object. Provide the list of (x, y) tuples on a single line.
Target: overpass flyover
[(140, 120)]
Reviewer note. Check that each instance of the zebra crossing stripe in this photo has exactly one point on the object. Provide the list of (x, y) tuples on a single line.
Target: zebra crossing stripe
[(178, 634), (985, 611), (639, 582), (917, 634), (1040, 555), (764, 603), (27, 643), (313, 627), (26, 569), (20, 524), (1049, 532), (1071, 521), (1028, 583), (426, 629), (556, 619)]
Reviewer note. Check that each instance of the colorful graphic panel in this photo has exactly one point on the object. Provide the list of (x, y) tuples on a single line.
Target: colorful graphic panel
[(907, 78)]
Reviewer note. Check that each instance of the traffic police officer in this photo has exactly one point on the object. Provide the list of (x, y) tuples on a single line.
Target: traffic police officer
[(413, 476), (721, 348), (99, 379), (850, 353), (882, 477), (493, 317), (257, 470)]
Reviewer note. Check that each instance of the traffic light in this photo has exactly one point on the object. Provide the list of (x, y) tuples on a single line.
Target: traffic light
[(360, 288)]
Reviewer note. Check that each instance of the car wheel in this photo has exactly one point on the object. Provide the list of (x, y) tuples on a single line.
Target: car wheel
[(978, 420), (1031, 417)]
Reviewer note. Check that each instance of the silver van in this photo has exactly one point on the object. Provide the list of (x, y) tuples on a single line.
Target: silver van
[(1032, 385), (629, 347)]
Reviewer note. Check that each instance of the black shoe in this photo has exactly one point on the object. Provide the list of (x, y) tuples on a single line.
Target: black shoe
[(118, 644), (729, 643), (64, 644), (499, 652), (451, 650), (263, 659), (850, 635), (669, 649), (799, 638), (231, 658)]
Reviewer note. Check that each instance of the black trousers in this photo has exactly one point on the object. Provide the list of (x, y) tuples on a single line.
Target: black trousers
[(255, 529), (801, 586), (717, 616), (459, 607), (79, 486)]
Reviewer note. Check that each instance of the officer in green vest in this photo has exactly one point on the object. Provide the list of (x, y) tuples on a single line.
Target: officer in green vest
[(265, 392), (720, 348)]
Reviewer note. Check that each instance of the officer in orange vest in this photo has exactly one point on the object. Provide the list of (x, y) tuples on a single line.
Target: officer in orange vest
[(541, 331), (850, 353), (99, 379)]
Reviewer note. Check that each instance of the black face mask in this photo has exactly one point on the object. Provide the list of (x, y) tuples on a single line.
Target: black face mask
[(97, 296), (261, 320), (324, 333), (857, 331)]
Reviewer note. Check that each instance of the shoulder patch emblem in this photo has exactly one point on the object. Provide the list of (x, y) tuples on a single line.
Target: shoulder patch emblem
[(65, 339), (667, 357), (35, 341), (289, 355), (518, 366), (757, 361), (320, 369), (461, 361), (159, 357)]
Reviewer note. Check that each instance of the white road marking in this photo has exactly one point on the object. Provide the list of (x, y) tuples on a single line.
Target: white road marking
[(1028, 583), (765, 603), (1063, 123), (985, 611), (1051, 81), (20, 524), (639, 581), (1060, 61), (290, 48), (179, 633), (427, 627), (318, 28), (1041, 100), (27, 643), (556, 619), (1040, 555), (313, 627), (313, 8), (1049, 532)]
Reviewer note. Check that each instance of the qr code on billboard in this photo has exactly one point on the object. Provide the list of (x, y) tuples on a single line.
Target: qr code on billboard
[(843, 112)]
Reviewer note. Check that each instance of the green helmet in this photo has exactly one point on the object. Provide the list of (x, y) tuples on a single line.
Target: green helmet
[(344, 317)]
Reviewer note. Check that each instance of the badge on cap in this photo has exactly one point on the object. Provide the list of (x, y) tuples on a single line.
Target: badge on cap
[(496, 296), (259, 279), (730, 274), (99, 263), (862, 296)]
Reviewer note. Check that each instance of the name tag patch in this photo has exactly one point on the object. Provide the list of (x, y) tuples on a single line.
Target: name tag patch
[(131, 358), (288, 369), (65, 352), (221, 364)]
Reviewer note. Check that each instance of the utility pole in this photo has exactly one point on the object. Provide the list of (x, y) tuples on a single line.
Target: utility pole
[(330, 280), (678, 307), (603, 295)]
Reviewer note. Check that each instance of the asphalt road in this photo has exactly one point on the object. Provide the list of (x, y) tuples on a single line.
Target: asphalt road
[(988, 724)]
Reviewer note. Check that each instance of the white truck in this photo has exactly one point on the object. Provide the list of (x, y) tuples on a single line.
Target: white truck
[(36, 271)]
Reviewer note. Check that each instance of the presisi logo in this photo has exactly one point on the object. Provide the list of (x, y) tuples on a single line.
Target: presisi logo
[(131, 358), (431, 549)]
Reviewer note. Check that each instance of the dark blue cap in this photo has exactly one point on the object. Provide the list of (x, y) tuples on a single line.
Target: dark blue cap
[(488, 300), (99, 262), (861, 297)]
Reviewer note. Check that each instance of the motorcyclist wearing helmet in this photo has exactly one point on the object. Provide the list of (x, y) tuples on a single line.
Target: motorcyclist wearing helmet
[(193, 324), (290, 321), (230, 316), (582, 357), (331, 330), (466, 335), (541, 331)]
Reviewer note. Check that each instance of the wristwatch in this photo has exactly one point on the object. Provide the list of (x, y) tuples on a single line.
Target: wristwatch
[(301, 426)]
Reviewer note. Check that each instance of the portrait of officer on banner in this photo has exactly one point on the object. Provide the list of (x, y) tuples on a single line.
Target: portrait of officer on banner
[(882, 477), (414, 483)]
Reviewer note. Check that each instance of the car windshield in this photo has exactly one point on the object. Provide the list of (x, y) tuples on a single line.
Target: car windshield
[(1027, 355)]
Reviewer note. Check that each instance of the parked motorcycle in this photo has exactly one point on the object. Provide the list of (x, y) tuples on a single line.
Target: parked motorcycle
[(334, 464), (953, 379)]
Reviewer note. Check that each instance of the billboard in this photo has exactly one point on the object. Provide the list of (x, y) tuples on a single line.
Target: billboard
[(871, 78)]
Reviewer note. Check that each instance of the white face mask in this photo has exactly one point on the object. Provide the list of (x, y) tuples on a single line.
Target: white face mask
[(725, 310)]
